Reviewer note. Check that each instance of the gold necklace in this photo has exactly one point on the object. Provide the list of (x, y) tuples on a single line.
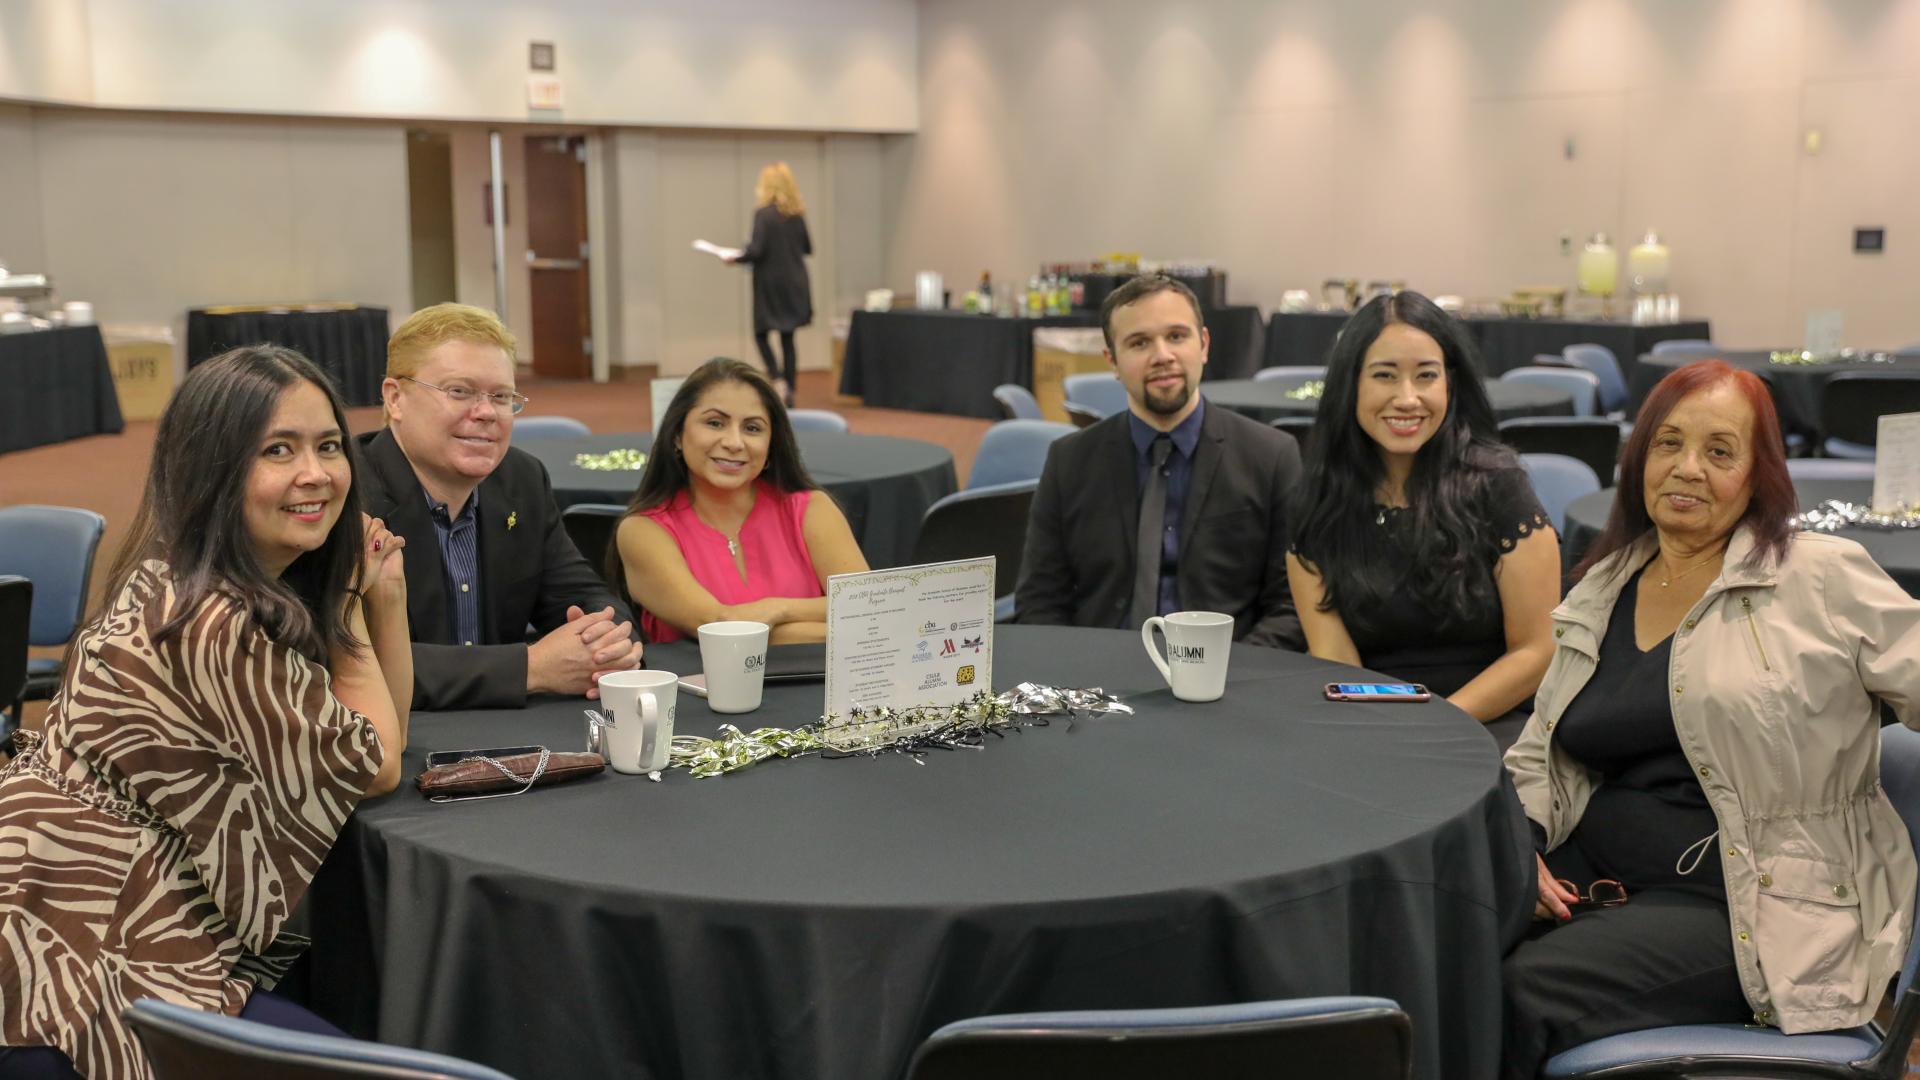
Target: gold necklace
[(1676, 577)]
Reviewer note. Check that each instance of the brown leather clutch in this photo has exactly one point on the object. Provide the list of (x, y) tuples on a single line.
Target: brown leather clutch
[(485, 776)]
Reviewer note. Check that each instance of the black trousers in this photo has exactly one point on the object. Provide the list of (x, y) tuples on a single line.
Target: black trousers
[(1664, 957), (764, 340)]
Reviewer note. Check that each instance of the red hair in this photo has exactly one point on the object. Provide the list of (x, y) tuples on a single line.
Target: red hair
[(1773, 503)]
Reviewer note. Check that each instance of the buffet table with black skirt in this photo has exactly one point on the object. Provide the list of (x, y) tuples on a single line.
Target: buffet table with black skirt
[(55, 385), (347, 342), (1303, 338)]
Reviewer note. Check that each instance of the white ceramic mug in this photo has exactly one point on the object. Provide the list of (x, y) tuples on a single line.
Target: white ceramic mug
[(1196, 662), (640, 703), (733, 656)]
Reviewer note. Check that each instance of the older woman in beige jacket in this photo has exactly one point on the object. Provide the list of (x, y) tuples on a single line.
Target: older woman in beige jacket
[(1707, 736)]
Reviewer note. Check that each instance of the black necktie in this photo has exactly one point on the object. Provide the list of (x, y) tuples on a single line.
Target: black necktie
[(1153, 519)]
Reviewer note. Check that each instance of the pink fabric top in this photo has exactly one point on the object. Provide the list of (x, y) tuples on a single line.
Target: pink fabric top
[(772, 543)]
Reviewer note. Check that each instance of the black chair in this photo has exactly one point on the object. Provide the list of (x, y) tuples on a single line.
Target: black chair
[(590, 526), (1300, 427), (1591, 439), (16, 620), (1339, 1038), (980, 521), (1852, 403)]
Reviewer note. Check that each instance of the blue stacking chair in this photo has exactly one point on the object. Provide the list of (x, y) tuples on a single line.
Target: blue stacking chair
[(185, 1043), (1579, 384), (1098, 391), (548, 427), (977, 522), (1296, 372), (1557, 481), (53, 547), (817, 420), (1861, 1053), (1331, 1038), (1851, 405), (1697, 348), (1606, 368), (1014, 450), (1017, 402)]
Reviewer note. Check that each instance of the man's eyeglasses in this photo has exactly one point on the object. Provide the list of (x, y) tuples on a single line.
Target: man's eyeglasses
[(1604, 893), (464, 396)]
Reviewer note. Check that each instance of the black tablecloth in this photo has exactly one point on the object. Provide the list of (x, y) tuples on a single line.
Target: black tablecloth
[(1210, 289), (1304, 338), (1896, 550), (1268, 400), (350, 345), (949, 362), (1797, 387), (941, 361), (884, 484), (819, 918), (55, 385)]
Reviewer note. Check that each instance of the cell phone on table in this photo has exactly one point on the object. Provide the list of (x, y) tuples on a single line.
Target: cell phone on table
[(449, 757), (1392, 691), (695, 684)]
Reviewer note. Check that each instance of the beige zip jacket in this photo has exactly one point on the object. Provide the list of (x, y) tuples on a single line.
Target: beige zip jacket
[(1773, 685)]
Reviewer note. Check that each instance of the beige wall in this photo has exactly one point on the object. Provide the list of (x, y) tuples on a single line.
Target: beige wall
[(146, 216), (22, 248), (1428, 140), (676, 307), (817, 65)]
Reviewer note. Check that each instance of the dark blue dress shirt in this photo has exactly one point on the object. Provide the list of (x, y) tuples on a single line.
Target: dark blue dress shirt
[(1179, 469), (460, 555)]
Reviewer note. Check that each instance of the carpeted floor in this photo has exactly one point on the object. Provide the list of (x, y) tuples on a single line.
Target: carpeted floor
[(105, 473)]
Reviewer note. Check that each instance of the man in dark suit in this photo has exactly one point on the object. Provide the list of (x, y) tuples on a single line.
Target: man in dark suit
[(486, 553), (1172, 505)]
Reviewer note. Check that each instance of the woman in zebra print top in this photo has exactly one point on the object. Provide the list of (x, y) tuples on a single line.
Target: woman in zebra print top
[(245, 685)]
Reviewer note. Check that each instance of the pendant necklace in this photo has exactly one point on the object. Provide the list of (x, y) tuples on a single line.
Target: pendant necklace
[(1673, 577)]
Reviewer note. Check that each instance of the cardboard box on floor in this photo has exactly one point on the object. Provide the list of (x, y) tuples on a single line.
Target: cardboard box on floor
[(142, 361)]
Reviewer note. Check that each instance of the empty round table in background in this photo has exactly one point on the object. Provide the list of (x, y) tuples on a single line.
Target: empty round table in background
[(1896, 550), (884, 484), (1268, 400), (819, 918), (1796, 387)]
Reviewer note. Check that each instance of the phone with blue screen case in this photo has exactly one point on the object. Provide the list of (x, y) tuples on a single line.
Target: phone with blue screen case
[(1347, 691)]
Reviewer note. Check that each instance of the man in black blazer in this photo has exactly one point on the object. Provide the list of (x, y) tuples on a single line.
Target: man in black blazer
[(1221, 494), (486, 554)]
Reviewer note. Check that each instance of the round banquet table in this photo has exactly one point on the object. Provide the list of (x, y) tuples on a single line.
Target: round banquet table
[(1896, 550), (1268, 400), (883, 483), (819, 918), (1797, 387)]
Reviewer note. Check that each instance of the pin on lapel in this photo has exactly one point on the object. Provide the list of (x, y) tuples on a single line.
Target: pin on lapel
[(513, 518)]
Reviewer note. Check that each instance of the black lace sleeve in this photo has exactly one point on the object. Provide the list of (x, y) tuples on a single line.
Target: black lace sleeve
[(1513, 510)]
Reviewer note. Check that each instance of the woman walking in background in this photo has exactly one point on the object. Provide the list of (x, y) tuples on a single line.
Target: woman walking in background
[(782, 298)]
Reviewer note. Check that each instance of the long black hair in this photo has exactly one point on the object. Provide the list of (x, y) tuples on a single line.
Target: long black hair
[(666, 473), (1334, 521), (192, 514)]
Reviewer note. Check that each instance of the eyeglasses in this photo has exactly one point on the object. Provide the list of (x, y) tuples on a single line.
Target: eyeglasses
[(464, 396), (1604, 893)]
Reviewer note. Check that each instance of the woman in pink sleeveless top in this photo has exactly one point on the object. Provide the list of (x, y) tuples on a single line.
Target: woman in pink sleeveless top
[(727, 524)]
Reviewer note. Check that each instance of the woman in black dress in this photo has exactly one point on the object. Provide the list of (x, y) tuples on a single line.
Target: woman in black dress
[(1419, 548), (782, 299)]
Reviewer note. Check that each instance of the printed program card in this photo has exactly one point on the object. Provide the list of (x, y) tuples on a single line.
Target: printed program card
[(913, 635), (1896, 463)]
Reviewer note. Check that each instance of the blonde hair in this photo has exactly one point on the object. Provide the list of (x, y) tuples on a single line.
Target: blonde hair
[(429, 328), (777, 187)]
